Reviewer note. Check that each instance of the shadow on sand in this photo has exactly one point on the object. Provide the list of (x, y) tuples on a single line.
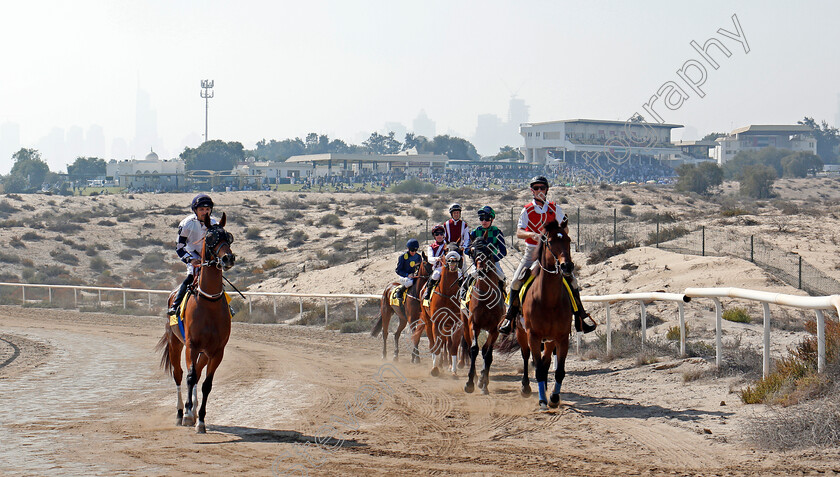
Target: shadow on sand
[(253, 434)]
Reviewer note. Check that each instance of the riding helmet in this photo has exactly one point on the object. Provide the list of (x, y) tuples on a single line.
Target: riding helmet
[(201, 200), (454, 207), (438, 227), (412, 244), (539, 180), (486, 211)]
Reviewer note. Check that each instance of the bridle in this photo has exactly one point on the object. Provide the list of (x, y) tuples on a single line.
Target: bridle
[(212, 244), (558, 266)]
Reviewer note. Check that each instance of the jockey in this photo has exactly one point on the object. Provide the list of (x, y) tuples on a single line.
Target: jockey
[(534, 215), (191, 232), (494, 243), (456, 229), (435, 252), (407, 266)]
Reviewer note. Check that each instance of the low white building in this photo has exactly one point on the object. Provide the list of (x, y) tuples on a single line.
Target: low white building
[(795, 138), (271, 172), (149, 172), (362, 163), (572, 138)]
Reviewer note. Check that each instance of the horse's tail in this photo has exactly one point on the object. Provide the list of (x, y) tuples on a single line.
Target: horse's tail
[(163, 346), (377, 327), (507, 344)]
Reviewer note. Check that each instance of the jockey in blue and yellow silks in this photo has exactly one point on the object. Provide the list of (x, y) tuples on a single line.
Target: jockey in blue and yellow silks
[(407, 266)]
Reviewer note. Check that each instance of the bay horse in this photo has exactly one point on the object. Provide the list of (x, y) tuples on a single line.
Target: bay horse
[(547, 312), (206, 326), (486, 309), (442, 318), (409, 312)]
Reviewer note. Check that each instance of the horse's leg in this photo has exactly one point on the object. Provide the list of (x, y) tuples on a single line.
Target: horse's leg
[(192, 381), (559, 373), (473, 337), (206, 386), (522, 338), (487, 355), (400, 328), (175, 348), (416, 334), (541, 371), (386, 312)]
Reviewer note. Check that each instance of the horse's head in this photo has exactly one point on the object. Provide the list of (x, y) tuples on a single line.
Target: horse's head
[(453, 259), (558, 243), (425, 267), (217, 244)]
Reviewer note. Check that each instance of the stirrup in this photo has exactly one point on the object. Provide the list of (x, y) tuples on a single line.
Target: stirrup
[(506, 326)]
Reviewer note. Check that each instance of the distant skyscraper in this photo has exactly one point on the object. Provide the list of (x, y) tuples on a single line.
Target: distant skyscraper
[(75, 143), (398, 129), (145, 126), (53, 149), (488, 132), (119, 149), (837, 116), (95, 142), (423, 126), (9, 144), (517, 112)]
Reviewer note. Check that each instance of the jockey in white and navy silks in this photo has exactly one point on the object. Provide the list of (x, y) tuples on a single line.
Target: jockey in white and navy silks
[(435, 251), (407, 265), (534, 215), (456, 230), (191, 232)]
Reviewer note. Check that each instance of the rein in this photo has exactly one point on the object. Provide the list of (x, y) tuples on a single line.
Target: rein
[(216, 262)]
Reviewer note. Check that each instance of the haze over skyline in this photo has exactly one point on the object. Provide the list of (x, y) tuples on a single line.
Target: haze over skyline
[(79, 70)]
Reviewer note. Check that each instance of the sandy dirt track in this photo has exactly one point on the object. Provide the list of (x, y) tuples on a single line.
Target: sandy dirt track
[(82, 394)]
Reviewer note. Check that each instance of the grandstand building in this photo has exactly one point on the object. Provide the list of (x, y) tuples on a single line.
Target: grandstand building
[(694, 151), (570, 139), (349, 165), (150, 172), (795, 138)]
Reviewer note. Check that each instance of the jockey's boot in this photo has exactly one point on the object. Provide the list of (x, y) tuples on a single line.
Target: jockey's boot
[(509, 323), (430, 286), (582, 316), (399, 292), (503, 289), (176, 303)]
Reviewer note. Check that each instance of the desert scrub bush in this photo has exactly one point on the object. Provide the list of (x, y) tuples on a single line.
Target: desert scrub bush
[(626, 210), (673, 333), (378, 242), (9, 258), (260, 311), (106, 223), (664, 218), (626, 343), (267, 250), (298, 238), (390, 220), (428, 202), (625, 200), (270, 264), (64, 256), (811, 424), (98, 264), (794, 377), (152, 261), (332, 220), (252, 233), (419, 213), (666, 234), (31, 237), (126, 254), (738, 315), (292, 215), (7, 208), (603, 253), (137, 242), (386, 208), (369, 225), (733, 212), (413, 186)]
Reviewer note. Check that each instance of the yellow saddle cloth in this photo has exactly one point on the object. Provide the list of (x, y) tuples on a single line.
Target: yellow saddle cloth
[(396, 298), (174, 320), (530, 280)]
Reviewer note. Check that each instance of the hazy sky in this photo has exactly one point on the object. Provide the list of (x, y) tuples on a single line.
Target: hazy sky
[(283, 69)]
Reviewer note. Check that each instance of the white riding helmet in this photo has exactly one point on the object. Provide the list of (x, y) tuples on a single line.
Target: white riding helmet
[(453, 255)]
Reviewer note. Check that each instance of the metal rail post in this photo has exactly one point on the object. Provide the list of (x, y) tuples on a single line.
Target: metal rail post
[(718, 333), (820, 341), (609, 331), (682, 329), (644, 322), (357, 308), (326, 312), (766, 364)]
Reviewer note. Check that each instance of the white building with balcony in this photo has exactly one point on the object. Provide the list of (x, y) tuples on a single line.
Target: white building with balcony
[(795, 138), (570, 139), (150, 172)]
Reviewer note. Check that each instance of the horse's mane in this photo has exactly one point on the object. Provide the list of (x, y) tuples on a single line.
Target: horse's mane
[(552, 227)]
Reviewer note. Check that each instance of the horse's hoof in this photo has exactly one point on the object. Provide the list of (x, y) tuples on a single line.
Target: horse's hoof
[(200, 428), (543, 406), (461, 365), (525, 391), (484, 390), (179, 421), (554, 400), (469, 387), (188, 421), (435, 372), (396, 358)]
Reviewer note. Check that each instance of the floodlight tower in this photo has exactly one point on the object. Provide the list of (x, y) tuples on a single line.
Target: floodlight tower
[(207, 86)]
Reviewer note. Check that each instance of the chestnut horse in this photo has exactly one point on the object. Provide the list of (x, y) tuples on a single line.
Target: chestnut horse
[(486, 309), (409, 313), (547, 312), (442, 317), (206, 325)]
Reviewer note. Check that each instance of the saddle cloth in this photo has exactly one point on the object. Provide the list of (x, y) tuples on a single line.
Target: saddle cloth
[(397, 300), (176, 321), (525, 286)]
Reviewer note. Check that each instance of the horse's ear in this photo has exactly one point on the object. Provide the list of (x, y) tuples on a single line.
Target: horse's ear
[(206, 221), (224, 219)]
